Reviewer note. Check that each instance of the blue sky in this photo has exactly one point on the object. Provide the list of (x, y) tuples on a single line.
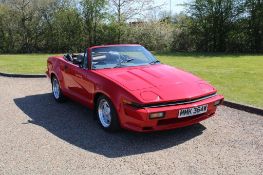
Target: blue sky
[(176, 8)]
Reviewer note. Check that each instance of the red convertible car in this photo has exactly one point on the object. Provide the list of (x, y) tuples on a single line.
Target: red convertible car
[(129, 88)]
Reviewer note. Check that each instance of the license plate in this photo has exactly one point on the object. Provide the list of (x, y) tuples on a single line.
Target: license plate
[(192, 111)]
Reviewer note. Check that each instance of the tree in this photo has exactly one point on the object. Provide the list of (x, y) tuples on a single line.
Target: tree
[(182, 37), (47, 11), (156, 35), (68, 29), (71, 25), (93, 12), (255, 22), (212, 21), (125, 10)]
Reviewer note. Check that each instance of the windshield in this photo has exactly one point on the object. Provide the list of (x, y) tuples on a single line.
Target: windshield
[(121, 56)]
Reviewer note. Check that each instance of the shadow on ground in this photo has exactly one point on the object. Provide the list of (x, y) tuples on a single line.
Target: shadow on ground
[(75, 124)]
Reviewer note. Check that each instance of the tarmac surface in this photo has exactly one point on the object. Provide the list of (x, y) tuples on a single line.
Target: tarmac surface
[(40, 136)]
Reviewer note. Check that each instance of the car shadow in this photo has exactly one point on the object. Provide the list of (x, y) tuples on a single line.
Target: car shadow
[(75, 124)]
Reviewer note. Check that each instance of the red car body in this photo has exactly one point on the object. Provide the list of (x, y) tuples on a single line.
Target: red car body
[(156, 88)]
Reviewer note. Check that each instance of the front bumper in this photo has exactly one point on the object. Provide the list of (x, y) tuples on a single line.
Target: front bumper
[(138, 119)]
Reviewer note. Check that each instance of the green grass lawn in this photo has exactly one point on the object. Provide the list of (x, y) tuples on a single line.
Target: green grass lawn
[(24, 63), (238, 77)]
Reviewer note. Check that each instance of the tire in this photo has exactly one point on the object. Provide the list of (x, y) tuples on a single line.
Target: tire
[(56, 90), (107, 115)]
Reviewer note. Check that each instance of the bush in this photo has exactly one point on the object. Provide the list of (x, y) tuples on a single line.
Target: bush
[(157, 36)]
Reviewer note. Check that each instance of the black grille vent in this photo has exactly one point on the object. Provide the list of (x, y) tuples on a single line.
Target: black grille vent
[(179, 102)]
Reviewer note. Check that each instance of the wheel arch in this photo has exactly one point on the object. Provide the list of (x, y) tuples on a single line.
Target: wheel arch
[(60, 80), (52, 75), (98, 94), (96, 97)]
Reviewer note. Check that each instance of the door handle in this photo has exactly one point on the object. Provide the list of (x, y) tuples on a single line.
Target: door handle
[(65, 67)]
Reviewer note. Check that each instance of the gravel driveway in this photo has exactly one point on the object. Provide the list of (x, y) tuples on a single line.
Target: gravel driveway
[(39, 136)]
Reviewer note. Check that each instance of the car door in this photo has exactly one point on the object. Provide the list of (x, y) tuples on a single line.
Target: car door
[(66, 68), (79, 83)]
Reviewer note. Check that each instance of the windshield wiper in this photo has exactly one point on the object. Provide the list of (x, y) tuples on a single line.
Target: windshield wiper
[(119, 65), (127, 60), (154, 62)]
